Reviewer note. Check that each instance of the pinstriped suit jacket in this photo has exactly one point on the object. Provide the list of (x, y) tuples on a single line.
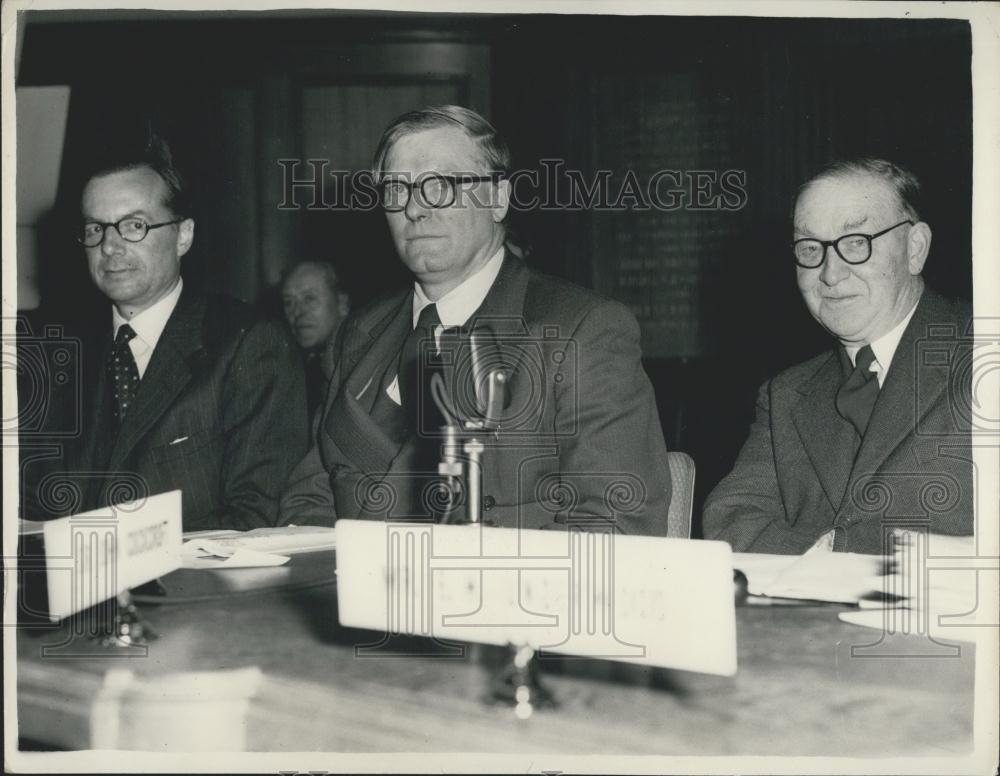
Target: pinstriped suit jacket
[(798, 477), (582, 436), (220, 413)]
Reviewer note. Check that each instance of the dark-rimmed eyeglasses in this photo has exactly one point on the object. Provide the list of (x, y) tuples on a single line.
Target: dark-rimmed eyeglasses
[(852, 248), (131, 229), (436, 191)]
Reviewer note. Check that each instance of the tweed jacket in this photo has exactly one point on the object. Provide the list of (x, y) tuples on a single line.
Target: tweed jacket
[(581, 437), (220, 413), (803, 470)]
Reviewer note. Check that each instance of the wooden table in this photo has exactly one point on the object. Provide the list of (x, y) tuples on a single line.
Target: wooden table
[(798, 690)]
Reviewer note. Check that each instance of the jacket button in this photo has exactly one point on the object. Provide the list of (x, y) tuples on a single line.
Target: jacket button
[(489, 502)]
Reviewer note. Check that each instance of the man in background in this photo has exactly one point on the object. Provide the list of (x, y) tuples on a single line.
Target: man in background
[(869, 435), (314, 307), (183, 389), (580, 436)]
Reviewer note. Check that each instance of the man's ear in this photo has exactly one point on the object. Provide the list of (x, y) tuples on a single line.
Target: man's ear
[(918, 246), (343, 304), (185, 236), (502, 202)]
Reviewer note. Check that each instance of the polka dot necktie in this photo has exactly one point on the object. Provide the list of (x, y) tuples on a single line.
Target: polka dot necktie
[(123, 372)]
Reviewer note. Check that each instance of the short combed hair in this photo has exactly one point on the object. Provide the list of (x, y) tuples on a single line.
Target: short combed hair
[(903, 182), (492, 147), (152, 152), (325, 268)]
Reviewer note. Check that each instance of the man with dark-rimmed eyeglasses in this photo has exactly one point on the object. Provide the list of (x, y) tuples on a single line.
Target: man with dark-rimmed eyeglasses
[(848, 445), (578, 438), (183, 390)]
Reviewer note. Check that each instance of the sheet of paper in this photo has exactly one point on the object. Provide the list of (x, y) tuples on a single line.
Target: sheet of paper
[(203, 555), (761, 569), (836, 577), (935, 585), (876, 618), (817, 575), (285, 540)]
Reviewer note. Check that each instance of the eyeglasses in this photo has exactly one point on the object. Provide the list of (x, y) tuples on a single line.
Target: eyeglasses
[(852, 248), (436, 191), (131, 230)]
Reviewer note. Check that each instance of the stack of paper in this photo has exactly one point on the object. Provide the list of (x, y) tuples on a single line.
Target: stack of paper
[(933, 587), (818, 575), (259, 547)]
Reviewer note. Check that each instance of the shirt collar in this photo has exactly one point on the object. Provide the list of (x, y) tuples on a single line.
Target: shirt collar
[(458, 305), (150, 323), (884, 348)]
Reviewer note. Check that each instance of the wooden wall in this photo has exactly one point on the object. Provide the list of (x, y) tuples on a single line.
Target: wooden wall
[(714, 289)]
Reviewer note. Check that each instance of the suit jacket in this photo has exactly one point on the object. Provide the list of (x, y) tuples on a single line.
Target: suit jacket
[(797, 476), (581, 436), (220, 413)]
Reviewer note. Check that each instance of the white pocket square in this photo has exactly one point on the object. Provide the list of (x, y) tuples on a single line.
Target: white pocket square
[(178, 440)]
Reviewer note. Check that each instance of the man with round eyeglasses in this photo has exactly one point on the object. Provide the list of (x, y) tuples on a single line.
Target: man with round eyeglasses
[(845, 444), (183, 390), (579, 439)]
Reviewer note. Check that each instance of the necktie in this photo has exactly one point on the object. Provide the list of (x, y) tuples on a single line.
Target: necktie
[(398, 420), (316, 382), (416, 367), (123, 372), (859, 391)]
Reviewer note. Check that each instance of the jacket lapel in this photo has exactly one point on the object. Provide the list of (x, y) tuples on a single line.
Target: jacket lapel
[(177, 358), (503, 305), (896, 414), (95, 447), (503, 314), (349, 423), (829, 440)]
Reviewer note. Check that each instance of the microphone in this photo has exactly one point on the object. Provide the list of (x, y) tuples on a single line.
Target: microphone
[(490, 376)]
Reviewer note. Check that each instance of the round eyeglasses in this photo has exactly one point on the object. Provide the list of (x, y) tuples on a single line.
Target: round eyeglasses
[(131, 229), (436, 191), (852, 248)]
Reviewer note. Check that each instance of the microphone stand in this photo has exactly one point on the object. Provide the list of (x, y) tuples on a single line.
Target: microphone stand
[(517, 681), (462, 449)]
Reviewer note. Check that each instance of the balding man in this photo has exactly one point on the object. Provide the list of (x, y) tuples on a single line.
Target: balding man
[(870, 435), (314, 307)]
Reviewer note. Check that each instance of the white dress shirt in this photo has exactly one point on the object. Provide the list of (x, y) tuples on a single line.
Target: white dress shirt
[(148, 326), (884, 348), (455, 307)]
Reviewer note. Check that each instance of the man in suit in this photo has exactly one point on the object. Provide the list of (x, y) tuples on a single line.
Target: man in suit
[(579, 439), (314, 307), (871, 435), (185, 390)]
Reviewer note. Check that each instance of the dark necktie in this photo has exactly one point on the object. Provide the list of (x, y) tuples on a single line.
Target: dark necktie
[(416, 366), (316, 381), (859, 391), (398, 420), (123, 372)]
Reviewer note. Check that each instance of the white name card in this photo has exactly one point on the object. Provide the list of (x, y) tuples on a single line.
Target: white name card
[(94, 556), (660, 602)]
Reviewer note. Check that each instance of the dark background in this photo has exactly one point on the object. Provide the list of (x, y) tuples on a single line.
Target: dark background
[(233, 94)]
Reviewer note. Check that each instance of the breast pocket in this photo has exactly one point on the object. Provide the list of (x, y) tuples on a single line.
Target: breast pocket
[(183, 446)]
